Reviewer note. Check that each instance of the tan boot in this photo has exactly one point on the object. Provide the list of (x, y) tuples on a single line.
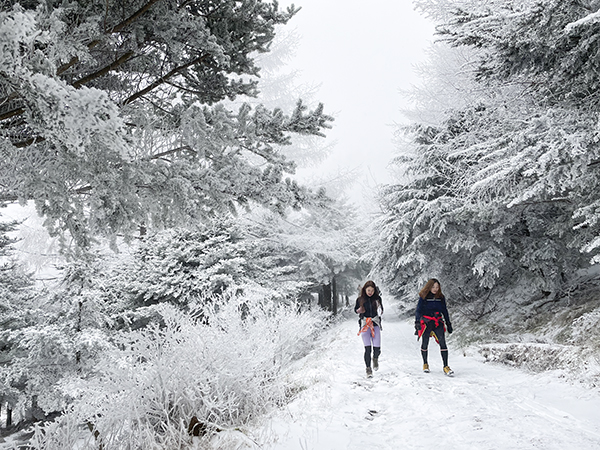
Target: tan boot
[(448, 371)]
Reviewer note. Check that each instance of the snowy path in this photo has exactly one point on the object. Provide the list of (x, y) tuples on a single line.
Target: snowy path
[(482, 407)]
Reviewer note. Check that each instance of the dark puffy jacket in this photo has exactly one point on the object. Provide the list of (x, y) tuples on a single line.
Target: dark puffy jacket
[(429, 305), (370, 306)]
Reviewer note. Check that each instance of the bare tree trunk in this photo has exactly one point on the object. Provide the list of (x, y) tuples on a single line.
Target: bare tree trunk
[(327, 297), (334, 297)]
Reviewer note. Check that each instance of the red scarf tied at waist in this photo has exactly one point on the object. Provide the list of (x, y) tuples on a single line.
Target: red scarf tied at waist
[(437, 319), (368, 325)]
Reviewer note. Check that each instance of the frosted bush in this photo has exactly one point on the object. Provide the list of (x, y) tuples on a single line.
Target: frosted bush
[(585, 328), (223, 362)]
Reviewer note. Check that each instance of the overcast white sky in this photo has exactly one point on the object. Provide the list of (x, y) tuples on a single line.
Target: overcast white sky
[(361, 54)]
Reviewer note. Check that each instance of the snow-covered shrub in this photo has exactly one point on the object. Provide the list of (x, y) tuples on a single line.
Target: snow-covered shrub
[(535, 357), (573, 362), (586, 329), (222, 363)]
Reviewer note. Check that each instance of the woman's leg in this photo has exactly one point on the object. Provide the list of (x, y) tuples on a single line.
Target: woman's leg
[(368, 356), (376, 348), (439, 332), (425, 343), (366, 338)]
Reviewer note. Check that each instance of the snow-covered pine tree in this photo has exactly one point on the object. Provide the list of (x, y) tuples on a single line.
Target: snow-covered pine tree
[(18, 307), (424, 227), (180, 266), (548, 45), (478, 233), (548, 50), (15, 282), (279, 86), (327, 242), (109, 115), (519, 162), (256, 252), (67, 330)]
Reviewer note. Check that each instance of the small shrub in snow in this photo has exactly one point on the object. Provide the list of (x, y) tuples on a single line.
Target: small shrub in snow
[(572, 362), (222, 363), (586, 329)]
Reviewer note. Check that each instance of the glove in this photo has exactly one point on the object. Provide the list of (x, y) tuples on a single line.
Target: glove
[(449, 327), (417, 328)]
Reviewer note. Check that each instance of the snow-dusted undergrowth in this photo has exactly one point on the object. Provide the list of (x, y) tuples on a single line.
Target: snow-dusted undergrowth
[(570, 362), (560, 334), (222, 364)]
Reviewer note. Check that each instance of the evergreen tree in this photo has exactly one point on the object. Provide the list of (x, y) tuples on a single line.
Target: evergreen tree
[(258, 252), (18, 309), (180, 266), (328, 244), (502, 192), (110, 121)]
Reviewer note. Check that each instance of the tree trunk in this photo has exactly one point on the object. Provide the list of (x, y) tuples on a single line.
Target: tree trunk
[(327, 297), (8, 416), (334, 296)]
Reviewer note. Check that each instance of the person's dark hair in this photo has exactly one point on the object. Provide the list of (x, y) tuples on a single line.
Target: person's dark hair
[(363, 294), (427, 289)]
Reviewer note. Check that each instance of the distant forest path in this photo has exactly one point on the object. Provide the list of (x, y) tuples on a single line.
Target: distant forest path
[(484, 406)]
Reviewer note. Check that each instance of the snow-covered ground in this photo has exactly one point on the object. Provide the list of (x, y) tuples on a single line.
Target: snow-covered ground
[(484, 406)]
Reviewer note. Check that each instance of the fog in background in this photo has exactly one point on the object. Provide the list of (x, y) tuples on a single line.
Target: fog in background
[(361, 56)]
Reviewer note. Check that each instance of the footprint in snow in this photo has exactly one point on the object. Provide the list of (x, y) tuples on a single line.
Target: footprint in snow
[(371, 414)]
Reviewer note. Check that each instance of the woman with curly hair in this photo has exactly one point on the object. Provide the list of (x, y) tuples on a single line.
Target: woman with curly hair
[(368, 306), (432, 319)]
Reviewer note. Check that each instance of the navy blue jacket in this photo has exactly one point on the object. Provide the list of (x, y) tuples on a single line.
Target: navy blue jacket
[(429, 305)]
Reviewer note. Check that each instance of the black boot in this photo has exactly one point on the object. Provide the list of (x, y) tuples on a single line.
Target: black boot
[(376, 353)]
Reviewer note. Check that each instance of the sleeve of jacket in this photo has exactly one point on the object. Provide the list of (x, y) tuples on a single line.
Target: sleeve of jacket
[(419, 312), (357, 305), (445, 313)]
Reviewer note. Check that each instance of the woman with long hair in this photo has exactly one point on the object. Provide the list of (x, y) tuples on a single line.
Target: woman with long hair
[(368, 307), (432, 319)]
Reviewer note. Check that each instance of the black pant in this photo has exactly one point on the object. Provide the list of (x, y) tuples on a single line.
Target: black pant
[(440, 334), (376, 353)]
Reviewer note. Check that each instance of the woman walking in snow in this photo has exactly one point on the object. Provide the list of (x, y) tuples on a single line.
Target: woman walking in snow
[(429, 321), (368, 306)]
